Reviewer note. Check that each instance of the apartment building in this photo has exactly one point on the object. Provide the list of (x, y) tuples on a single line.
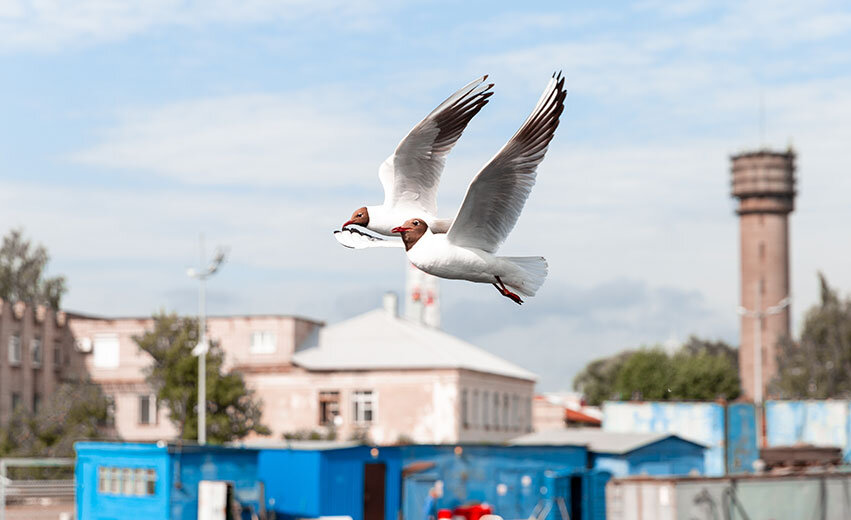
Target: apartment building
[(36, 354)]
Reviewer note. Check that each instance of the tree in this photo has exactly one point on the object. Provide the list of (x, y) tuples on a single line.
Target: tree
[(597, 380), (699, 370), (646, 374), (818, 366), (232, 411), (74, 411), (22, 267)]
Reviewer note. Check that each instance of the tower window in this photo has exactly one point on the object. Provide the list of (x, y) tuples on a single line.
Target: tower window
[(762, 251)]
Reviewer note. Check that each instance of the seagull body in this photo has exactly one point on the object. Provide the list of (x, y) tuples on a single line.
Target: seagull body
[(491, 207), (411, 175)]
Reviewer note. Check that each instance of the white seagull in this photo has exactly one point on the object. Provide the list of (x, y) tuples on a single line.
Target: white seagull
[(490, 209), (410, 176)]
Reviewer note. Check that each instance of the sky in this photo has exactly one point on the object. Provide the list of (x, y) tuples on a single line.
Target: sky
[(127, 129)]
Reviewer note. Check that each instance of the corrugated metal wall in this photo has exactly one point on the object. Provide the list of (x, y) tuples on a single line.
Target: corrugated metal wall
[(821, 423), (822, 497), (701, 422)]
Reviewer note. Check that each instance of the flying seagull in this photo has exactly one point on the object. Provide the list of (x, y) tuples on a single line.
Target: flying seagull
[(493, 203), (410, 176)]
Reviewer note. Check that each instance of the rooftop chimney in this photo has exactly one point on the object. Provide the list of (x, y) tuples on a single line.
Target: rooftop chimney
[(391, 304)]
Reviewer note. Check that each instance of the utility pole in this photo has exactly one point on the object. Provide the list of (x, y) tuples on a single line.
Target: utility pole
[(203, 345), (758, 315)]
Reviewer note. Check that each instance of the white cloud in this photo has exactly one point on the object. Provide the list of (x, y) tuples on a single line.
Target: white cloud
[(52, 25)]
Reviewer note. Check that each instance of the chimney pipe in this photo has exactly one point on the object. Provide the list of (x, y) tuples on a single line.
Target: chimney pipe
[(391, 304)]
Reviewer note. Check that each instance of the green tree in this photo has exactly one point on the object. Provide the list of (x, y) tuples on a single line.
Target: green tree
[(22, 277), (74, 411), (597, 380), (818, 366), (646, 375), (699, 370), (232, 410)]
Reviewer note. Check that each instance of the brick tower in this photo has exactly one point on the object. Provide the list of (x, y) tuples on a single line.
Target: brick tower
[(764, 184)]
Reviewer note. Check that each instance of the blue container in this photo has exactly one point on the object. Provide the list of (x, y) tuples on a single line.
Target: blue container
[(124, 480)]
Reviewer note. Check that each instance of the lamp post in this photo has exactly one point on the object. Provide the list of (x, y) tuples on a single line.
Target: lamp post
[(758, 315), (203, 346)]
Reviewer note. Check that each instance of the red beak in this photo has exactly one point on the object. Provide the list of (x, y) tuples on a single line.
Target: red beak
[(400, 229), (346, 224)]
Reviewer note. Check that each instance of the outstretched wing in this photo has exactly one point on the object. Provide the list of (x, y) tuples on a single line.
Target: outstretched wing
[(410, 176), (355, 239), (497, 194)]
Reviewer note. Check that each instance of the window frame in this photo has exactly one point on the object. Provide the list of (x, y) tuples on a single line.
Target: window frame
[(268, 347), (36, 352), (326, 398), (15, 349), (357, 399)]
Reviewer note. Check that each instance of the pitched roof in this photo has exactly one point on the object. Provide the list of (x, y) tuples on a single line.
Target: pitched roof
[(577, 416), (597, 440), (381, 340)]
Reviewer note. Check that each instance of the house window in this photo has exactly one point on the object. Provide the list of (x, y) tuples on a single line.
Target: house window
[(475, 421), (505, 416), (464, 419), (148, 408), (485, 415), (364, 405), (36, 402), (16, 401), (35, 351), (263, 342), (495, 411), (110, 411), (15, 349), (329, 407), (127, 481), (106, 349)]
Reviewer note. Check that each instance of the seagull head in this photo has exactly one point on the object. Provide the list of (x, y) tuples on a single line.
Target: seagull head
[(359, 217), (411, 231)]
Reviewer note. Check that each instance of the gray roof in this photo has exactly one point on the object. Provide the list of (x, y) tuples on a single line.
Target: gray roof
[(597, 440), (380, 340)]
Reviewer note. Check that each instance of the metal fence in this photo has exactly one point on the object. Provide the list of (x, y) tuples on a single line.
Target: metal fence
[(35, 497)]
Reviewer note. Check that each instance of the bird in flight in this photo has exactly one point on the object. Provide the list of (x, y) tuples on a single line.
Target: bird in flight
[(491, 207), (411, 175)]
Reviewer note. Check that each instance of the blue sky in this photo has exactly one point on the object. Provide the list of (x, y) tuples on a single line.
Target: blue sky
[(129, 128)]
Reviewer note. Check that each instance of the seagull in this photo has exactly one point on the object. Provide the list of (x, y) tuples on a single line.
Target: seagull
[(493, 203), (411, 174)]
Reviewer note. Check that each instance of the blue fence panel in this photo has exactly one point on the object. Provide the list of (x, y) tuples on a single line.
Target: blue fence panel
[(742, 450), (821, 423)]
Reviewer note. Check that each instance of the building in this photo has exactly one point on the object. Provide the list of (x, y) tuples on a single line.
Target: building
[(162, 481), (38, 354), (253, 344), (563, 409), (623, 454), (376, 376), (764, 184)]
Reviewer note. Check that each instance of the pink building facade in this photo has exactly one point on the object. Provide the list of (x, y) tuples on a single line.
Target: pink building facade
[(376, 376)]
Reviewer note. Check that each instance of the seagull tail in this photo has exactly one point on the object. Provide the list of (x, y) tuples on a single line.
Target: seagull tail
[(527, 273)]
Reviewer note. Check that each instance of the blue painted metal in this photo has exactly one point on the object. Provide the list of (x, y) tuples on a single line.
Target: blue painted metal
[(821, 423), (671, 456), (178, 470), (742, 449), (702, 422)]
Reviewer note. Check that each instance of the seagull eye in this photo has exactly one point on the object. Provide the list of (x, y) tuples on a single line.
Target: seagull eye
[(416, 222), (360, 214)]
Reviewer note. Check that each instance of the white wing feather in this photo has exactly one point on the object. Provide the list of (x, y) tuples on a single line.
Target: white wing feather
[(496, 195), (410, 176), (354, 239)]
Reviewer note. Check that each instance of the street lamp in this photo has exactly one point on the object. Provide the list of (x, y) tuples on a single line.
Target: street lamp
[(758, 314), (203, 345)]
